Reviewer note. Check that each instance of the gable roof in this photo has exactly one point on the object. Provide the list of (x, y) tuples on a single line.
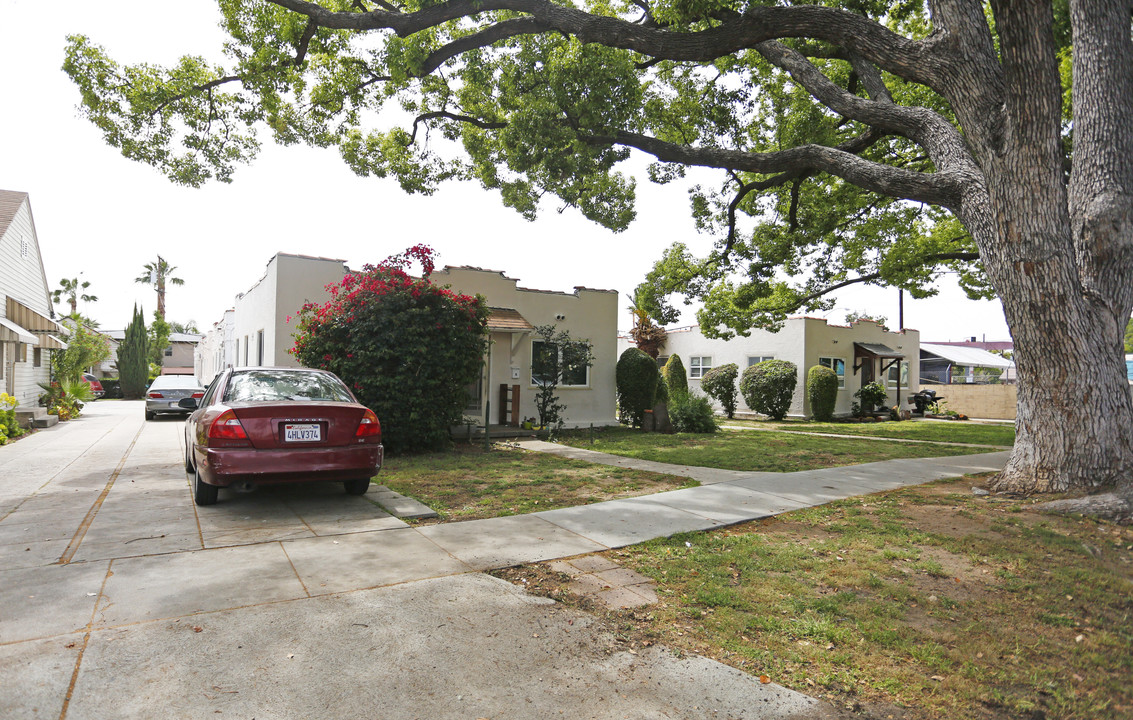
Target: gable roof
[(10, 202)]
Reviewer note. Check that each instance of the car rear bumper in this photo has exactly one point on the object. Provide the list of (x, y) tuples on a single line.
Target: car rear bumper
[(225, 466)]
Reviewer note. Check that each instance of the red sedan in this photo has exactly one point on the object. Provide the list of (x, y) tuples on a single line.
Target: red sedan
[(258, 426)]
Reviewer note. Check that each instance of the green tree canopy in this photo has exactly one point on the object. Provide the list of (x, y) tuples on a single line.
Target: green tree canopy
[(855, 141)]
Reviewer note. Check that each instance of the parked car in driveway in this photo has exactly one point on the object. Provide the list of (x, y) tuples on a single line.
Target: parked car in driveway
[(166, 391), (257, 426), (95, 386)]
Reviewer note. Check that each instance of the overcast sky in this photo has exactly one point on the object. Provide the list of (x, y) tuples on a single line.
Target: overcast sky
[(98, 214)]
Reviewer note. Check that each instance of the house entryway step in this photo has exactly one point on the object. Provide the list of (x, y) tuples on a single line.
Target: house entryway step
[(35, 417), (398, 505)]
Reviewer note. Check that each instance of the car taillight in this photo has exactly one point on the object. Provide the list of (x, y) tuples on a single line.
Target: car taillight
[(226, 431), (198, 396), (369, 426), (156, 395)]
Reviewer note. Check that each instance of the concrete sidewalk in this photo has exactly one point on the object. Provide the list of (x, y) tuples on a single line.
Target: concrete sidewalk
[(119, 598)]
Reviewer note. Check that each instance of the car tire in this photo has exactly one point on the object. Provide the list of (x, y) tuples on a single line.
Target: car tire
[(203, 493), (357, 487), (189, 460), (150, 415)]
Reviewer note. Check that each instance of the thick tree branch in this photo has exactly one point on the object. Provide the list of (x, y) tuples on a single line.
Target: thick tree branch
[(442, 114), (927, 260), (914, 60), (939, 188), (484, 38)]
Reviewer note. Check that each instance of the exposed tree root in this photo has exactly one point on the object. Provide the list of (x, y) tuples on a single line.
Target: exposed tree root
[(1110, 506)]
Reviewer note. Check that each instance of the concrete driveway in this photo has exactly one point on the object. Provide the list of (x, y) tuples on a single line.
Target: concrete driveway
[(119, 598)]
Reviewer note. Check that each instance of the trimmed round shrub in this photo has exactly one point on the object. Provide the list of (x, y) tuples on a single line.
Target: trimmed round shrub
[(675, 377), (407, 348), (636, 377), (692, 413), (822, 392), (720, 385), (768, 386)]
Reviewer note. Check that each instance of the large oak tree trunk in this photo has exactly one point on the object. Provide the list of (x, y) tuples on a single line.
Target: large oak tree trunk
[(1059, 250)]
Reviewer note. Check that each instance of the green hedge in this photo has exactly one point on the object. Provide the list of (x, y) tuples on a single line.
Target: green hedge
[(636, 378)]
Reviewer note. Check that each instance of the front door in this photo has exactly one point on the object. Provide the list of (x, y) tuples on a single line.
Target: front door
[(867, 371)]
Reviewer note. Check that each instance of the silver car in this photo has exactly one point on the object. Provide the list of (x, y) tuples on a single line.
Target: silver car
[(167, 390)]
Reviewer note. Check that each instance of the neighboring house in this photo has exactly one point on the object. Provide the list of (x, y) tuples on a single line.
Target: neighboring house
[(177, 358), (859, 354), (587, 314), (963, 364), (257, 332), (27, 328)]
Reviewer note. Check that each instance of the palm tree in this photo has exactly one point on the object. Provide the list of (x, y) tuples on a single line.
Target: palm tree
[(73, 291), (157, 274)]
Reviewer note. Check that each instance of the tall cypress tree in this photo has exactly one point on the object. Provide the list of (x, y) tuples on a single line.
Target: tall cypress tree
[(133, 358)]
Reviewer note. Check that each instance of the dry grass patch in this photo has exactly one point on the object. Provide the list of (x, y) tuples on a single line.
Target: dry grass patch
[(467, 483), (926, 602)]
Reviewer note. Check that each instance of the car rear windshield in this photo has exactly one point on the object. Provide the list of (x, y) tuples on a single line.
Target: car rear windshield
[(282, 385)]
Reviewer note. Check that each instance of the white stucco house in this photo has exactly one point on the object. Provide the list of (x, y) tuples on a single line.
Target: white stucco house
[(256, 331), (27, 328), (858, 353)]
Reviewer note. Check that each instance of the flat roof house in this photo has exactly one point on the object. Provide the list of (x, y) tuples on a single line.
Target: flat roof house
[(858, 353), (257, 332)]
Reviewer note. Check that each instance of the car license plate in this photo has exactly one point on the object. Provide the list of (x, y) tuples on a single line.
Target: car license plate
[(301, 432)]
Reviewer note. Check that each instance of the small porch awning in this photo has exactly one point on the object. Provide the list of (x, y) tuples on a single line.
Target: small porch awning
[(11, 332), (876, 350), (508, 320), (868, 351), (38, 326)]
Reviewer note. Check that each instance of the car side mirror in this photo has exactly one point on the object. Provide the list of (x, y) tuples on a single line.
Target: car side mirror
[(189, 403)]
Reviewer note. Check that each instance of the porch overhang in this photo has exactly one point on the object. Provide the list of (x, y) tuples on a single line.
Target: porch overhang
[(11, 332), (39, 329), (508, 320), (870, 351)]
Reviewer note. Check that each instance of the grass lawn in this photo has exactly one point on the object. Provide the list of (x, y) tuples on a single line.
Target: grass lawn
[(467, 483), (928, 430), (926, 602), (746, 450)]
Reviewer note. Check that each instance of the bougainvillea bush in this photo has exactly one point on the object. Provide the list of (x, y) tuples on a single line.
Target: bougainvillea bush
[(408, 348)]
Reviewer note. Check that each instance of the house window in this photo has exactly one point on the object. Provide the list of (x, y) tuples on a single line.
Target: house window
[(37, 357), (698, 365), (245, 350), (237, 351), (838, 365), (260, 347), (899, 377), (547, 358), (661, 360), (169, 352), (756, 359)]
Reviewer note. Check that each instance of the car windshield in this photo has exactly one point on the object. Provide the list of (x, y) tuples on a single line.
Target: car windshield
[(280, 385), (175, 382)]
